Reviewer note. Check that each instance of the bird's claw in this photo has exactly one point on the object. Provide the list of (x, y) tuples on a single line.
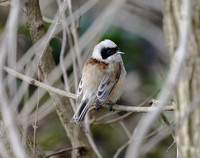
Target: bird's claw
[(110, 107)]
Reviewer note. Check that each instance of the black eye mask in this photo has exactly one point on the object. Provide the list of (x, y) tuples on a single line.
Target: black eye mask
[(106, 52)]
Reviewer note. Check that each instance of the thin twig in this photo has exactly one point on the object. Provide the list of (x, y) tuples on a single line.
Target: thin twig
[(162, 115), (62, 51), (105, 115), (164, 118), (62, 151), (138, 109), (126, 130), (58, 17), (44, 110), (127, 114), (39, 84), (64, 35), (113, 120), (35, 126), (75, 36), (79, 19)]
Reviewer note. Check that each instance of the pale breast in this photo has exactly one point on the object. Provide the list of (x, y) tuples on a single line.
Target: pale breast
[(93, 73), (118, 88)]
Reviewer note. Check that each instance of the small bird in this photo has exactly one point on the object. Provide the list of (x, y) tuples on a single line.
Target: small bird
[(103, 79)]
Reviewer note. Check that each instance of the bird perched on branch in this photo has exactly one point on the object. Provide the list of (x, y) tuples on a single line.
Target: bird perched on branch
[(103, 79)]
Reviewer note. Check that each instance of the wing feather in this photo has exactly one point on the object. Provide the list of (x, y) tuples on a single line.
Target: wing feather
[(106, 86), (80, 88)]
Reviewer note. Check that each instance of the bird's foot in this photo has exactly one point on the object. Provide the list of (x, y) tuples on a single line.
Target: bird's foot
[(110, 106), (97, 105)]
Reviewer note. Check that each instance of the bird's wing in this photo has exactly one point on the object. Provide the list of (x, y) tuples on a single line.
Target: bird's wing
[(80, 88), (107, 84)]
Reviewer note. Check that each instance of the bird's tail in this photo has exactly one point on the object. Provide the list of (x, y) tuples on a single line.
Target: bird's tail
[(81, 111)]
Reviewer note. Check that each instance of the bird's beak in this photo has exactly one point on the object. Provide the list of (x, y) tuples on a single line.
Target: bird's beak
[(120, 52)]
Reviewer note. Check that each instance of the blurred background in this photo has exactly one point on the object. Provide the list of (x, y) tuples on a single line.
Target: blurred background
[(136, 27)]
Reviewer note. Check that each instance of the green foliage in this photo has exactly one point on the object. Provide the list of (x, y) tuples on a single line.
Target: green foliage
[(56, 45)]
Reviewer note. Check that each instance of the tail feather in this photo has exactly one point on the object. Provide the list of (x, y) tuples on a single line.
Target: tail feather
[(81, 111)]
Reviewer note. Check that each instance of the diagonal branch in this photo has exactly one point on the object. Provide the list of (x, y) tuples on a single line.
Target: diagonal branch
[(38, 83)]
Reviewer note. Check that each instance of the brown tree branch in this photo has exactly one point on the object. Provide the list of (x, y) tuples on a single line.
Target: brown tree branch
[(127, 114), (39, 84)]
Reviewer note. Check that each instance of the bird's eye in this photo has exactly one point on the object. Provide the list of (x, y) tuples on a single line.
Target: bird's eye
[(106, 52), (109, 52)]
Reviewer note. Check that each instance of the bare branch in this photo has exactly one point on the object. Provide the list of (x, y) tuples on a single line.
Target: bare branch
[(35, 127), (129, 113), (65, 31), (62, 151), (39, 84), (60, 92)]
